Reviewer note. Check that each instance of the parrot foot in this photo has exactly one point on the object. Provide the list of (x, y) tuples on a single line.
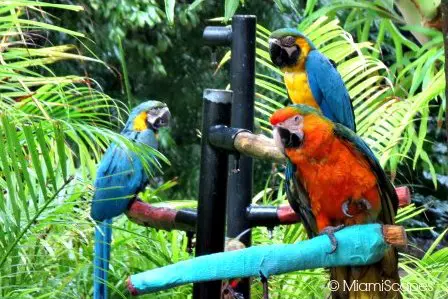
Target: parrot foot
[(345, 208), (229, 293), (329, 231), (362, 204), (264, 281)]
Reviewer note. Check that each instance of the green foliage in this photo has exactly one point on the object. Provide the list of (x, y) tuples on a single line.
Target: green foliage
[(54, 129), (145, 27), (137, 249), (426, 277), (230, 8)]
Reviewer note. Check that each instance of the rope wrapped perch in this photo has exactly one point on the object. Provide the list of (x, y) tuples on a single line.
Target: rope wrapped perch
[(357, 245)]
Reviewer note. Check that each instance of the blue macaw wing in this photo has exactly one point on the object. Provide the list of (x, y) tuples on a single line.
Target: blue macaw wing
[(329, 90), (299, 200), (120, 177)]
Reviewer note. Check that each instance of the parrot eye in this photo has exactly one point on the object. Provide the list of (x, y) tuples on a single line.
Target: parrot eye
[(288, 41), (155, 111)]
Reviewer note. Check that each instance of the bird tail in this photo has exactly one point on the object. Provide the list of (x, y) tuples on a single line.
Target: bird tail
[(103, 236), (377, 281)]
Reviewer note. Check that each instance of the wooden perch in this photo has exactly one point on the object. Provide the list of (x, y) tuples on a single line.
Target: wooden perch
[(287, 215), (148, 215), (258, 146), (185, 219), (404, 196), (371, 241), (395, 235), (164, 218)]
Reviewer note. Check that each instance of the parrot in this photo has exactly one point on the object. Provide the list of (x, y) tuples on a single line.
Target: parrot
[(120, 177), (333, 180), (310, 77)]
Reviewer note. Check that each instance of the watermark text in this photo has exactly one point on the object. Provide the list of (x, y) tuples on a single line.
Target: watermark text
[(383, 286)]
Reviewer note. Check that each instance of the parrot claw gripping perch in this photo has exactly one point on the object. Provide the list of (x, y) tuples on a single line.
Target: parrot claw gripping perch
[(329, 231), (362, 204), (345, 209), (229, 293)]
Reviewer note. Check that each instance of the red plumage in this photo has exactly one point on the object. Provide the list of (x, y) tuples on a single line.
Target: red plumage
[(333, 166)]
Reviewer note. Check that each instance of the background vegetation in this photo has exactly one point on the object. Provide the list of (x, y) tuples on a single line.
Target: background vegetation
[(69, 73)]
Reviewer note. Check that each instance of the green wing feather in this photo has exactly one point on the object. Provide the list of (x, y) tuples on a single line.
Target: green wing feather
[(299, 200)]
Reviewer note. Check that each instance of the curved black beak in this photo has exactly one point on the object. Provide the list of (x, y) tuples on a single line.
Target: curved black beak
[(276, 51), (161, 119), (288, 139), (282, 56)]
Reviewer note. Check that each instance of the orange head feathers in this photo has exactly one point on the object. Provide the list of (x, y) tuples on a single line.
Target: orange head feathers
[(295, 123), (282, 115), (285, 113)]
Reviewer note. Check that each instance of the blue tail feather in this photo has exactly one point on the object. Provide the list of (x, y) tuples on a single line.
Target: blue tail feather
[(103, 237)]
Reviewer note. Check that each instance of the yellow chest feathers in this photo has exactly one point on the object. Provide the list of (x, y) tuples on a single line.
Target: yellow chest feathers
[(140, 122), (299, 89)]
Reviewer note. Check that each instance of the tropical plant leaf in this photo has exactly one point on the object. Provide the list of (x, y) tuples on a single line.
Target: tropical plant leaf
[(230, 7), (169, 10), (53, 129)]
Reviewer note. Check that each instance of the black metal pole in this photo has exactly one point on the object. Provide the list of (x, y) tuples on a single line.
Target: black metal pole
[(217, 35), (242, 70), (212, 187)]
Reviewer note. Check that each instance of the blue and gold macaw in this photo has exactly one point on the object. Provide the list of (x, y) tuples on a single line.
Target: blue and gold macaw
[(310, 77), (120, 177)]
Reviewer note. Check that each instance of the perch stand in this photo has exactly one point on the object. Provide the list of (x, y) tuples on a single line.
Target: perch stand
[(357, 245)]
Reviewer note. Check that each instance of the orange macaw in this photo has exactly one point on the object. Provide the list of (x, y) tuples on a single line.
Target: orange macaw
[(334, 180)]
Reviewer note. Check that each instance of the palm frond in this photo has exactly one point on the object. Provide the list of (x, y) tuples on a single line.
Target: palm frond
[(53, 131)]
